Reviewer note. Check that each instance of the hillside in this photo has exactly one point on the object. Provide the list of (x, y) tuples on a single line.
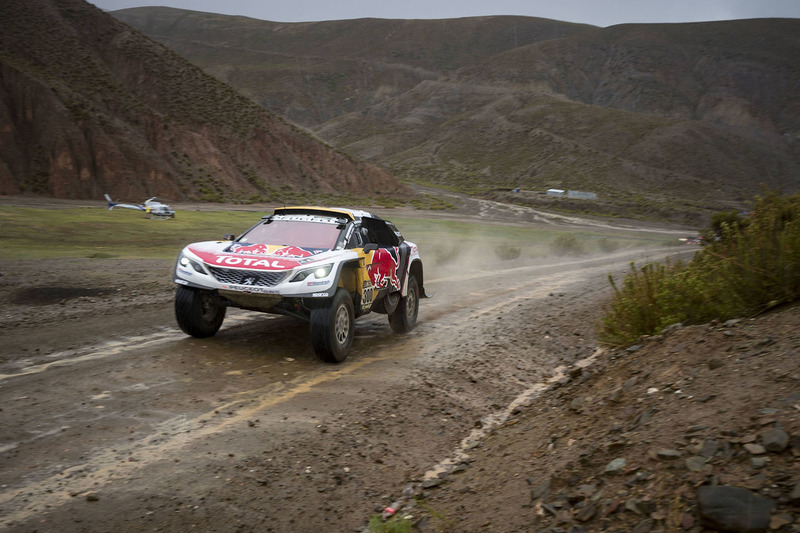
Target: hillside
[(90, 106), (666, 120), (311, 72)]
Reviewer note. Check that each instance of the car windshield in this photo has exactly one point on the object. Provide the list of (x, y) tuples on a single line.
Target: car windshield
[(303, 234)]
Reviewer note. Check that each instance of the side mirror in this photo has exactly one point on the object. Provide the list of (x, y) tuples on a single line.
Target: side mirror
[(229, 237), (370, 247)]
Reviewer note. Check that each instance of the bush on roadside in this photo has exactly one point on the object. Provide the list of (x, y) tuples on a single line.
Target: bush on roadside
[(394, 525), (566, 244), (507, 252), (607, 245), (744, 269)]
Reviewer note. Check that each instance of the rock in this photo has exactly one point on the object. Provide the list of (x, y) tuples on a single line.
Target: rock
[(758, 462), (780, 520), (755, 449), (629, 384), (668, 454), (795, 495), (641, 507), (563, 517), (576, 404), (697, 463), (636, 478), (775, 440), (659, 515), (615, 395), (795, 444), (670, 329), (587, 490), (632, 505), (586, 513), (708, 448), (539, 491), (615, 466), (729, 508), (432, 483), (613, 507)]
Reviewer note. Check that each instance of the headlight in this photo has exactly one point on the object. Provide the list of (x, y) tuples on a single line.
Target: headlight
[(318, 273), (186, 262)]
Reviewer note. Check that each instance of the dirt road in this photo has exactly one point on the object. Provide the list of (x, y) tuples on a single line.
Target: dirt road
[(114, 420)]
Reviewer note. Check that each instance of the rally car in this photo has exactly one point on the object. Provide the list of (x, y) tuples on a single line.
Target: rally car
[(324, 265)]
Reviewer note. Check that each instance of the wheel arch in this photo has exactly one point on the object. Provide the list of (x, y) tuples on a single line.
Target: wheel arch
[(346, 276), (416, 270)]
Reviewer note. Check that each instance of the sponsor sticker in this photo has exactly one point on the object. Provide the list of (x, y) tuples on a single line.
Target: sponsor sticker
[(254, 262), (251, 289)]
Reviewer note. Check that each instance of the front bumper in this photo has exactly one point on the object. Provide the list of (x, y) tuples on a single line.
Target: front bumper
[(240, 284)]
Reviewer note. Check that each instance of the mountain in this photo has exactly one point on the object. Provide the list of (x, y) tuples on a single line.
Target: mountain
[(659, 118), (313, 71), (90, 106)]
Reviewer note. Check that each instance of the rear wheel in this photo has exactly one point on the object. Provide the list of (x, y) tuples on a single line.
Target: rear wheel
[(404, 317), (199, 312), (333, 328)]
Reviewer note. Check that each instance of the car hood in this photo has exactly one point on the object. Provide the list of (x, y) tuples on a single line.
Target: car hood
[(258, 256)]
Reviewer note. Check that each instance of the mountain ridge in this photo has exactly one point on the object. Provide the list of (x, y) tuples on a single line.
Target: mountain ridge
[(91, 106)]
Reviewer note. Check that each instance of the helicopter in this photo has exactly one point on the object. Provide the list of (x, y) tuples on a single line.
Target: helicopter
[(153, 208)]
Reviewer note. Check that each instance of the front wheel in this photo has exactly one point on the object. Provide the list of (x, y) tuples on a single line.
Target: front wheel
[(333, 328), (404, 317), (199, 312)]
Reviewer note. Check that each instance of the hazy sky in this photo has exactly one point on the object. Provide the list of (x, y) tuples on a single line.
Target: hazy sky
[(597, 12)]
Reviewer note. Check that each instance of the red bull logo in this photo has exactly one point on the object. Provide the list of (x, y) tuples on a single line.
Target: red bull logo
[(292, 251), (263, 249), (254, 249), (383, 269)]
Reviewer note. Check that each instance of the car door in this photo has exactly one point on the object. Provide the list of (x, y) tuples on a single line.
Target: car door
[(385, 255)]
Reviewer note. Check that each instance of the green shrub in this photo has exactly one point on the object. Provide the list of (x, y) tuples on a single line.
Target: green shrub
[(394, 525), (721, 222), (507, 252), (566, 244), (744, 269), (607, 245)]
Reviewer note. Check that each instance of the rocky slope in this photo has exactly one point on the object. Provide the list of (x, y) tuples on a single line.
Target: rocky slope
[(681, 433), (90, 106)]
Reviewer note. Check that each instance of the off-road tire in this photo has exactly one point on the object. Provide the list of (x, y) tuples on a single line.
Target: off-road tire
[(333, 328), (404, 317), (199, 312)]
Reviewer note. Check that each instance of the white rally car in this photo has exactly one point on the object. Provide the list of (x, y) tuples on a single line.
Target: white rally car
[(325, 265)]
